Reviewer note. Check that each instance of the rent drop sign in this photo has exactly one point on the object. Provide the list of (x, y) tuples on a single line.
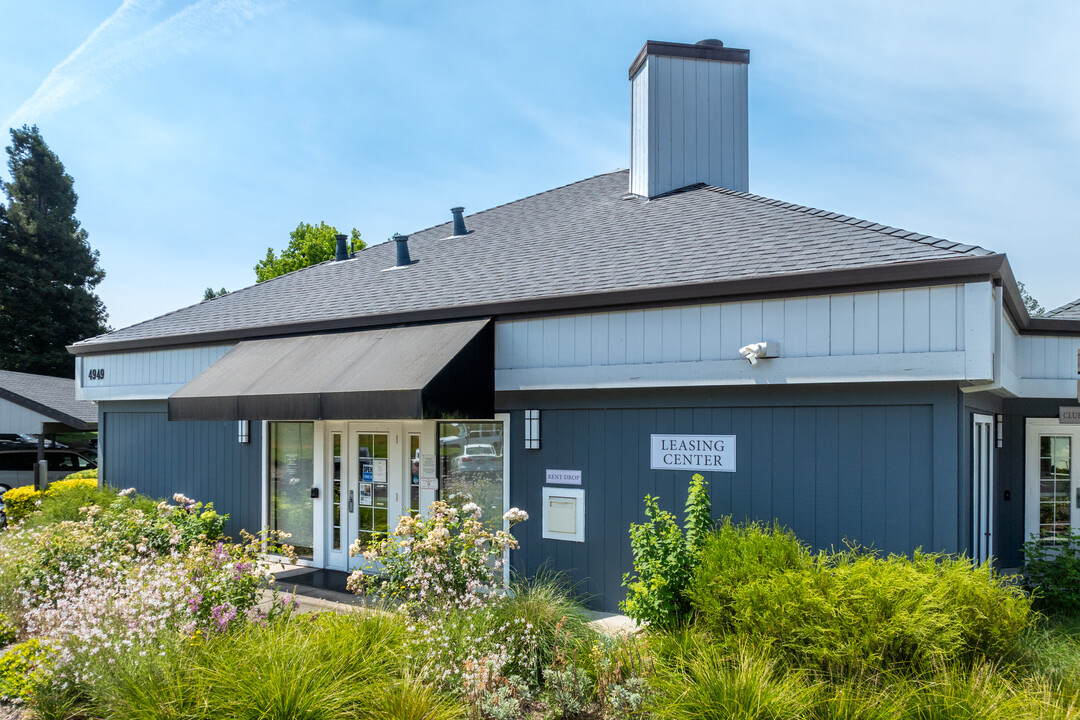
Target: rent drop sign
[(711, 453)]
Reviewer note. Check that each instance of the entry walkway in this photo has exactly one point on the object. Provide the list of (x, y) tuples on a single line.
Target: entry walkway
[(319, 590)]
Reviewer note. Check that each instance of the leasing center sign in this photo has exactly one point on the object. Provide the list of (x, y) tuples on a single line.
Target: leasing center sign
[(711, 453)]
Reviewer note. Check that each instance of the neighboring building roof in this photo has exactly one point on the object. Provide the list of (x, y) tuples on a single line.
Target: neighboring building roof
[(1068, 311), (584, 239), (50, 396)]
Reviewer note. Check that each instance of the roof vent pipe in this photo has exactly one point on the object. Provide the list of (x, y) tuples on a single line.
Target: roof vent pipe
[(342, 249), (459, 221), (402, 250)]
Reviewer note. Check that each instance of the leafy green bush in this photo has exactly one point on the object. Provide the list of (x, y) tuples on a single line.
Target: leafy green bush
[(664, 559), (20, 502), (1052, 573), (852, 612), (7, 631), (22, 668), (63, 499), (734, 555), (91, 474)]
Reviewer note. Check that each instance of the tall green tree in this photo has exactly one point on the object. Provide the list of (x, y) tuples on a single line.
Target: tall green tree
[(1034, 307), (48, 271), (308, 245)]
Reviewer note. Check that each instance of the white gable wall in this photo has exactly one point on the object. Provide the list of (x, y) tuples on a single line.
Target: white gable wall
[(149, 375), (17, 419)]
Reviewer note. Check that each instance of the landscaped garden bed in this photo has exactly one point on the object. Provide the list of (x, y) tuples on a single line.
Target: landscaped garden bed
[(118, 606)]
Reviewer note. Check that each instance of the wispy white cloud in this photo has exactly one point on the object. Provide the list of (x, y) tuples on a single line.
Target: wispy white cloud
[(134, 37)]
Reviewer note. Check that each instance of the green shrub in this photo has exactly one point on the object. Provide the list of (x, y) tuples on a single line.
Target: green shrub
[(1052, 573), (664, 559), (63, 500), (22, 668), (20, 502), (734, 555), (547, 603), (852, 612), (7, 631), (91, 474)]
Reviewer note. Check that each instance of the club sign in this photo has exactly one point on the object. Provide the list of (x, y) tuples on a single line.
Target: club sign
[(711, 453)]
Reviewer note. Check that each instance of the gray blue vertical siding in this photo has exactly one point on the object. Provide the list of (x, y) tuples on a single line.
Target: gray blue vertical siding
[(874, 466), (202, 460)]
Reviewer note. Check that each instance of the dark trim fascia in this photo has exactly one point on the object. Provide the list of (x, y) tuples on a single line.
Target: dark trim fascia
[(967, 268), (1026, 324), (684, 50), (43, 409)]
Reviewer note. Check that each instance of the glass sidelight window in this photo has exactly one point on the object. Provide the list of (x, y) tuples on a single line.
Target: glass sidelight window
[(471, 467), (291, 475), (414, 474), (372, 489), (1055, 475)]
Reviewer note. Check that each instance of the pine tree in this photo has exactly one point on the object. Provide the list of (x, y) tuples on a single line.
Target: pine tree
[(48, 270)]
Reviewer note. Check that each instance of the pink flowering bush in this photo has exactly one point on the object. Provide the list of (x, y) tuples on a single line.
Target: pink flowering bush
[(448, 558), (117, 579)]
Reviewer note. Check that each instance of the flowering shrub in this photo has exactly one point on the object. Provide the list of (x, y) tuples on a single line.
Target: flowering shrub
[(446, 559), (90, 474), (119, 577), (20, 502)]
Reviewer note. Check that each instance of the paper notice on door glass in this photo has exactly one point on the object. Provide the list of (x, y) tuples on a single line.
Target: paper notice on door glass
[(427, 465), (429, 483), (379, 470)]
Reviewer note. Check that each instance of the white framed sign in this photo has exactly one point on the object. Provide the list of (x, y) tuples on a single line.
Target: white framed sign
[(1069, 415), (710, 453), (562, 477)]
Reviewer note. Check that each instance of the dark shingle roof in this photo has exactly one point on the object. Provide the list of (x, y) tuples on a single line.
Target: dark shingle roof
[(588, 237), (1068, 311), (50, 396)]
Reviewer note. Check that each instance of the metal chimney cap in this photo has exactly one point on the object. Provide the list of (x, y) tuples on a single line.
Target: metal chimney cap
[(459, 221), (342, 250), (710, 42)]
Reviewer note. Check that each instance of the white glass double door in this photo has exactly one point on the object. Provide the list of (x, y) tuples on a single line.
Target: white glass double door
[(1052, 502), (366, 487)]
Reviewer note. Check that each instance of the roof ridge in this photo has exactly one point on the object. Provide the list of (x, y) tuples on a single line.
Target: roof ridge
[(940, 243), (527, 197)]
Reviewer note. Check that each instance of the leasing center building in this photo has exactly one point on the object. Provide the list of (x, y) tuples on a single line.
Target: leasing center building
[(572, 351)]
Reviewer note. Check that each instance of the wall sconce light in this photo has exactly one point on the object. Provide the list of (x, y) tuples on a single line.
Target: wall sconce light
[(243, 431), (532, 429), (1000, 430)]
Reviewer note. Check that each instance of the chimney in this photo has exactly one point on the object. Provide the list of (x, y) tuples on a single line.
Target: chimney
[(342, 249), (688, 117), (459, 221), (402, 250)]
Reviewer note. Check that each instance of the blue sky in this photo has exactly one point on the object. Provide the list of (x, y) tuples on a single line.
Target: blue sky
[(200, 133)]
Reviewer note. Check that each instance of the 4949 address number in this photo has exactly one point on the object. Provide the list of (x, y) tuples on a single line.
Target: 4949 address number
[(97, 374)]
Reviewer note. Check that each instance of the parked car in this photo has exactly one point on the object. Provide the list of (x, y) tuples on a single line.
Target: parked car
[(27, 439), (17, 466), (479, 457)]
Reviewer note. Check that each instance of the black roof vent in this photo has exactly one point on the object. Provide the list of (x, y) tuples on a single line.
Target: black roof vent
[(342, 249), (459, 221), (710, 42), (402, 250)]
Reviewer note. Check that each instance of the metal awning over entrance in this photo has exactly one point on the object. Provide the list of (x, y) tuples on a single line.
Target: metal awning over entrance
[(415, 372)]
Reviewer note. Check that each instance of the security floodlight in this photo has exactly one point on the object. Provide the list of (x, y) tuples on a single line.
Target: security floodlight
[(756, 351)]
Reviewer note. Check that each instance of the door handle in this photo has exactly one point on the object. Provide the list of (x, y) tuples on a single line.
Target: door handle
[(350, 501), (1078, 498)]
